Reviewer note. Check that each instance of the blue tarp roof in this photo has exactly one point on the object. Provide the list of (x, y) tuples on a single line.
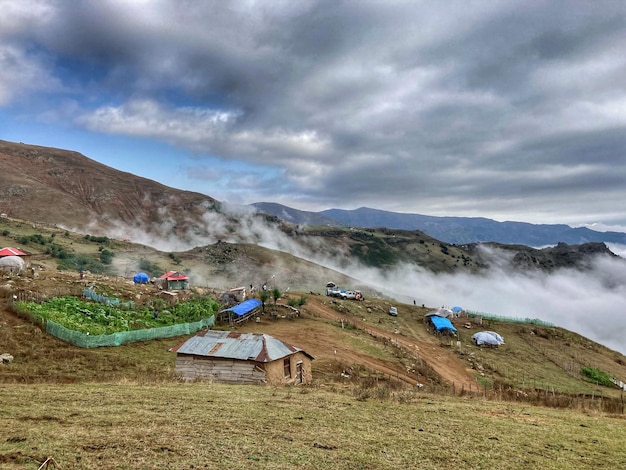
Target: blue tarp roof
[(244, 307), (442, 323)]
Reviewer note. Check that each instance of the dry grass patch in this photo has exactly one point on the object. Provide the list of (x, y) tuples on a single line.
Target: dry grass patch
[(217, 426)]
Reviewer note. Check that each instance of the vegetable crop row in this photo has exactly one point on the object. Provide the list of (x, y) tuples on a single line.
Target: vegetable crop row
[(101, 319)]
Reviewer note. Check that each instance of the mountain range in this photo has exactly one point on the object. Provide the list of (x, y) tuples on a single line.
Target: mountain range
[(67, 190), (67, 211), (456, 230)]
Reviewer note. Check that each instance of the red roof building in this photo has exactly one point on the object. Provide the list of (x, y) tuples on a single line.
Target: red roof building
[(11, 252), (175, 280)]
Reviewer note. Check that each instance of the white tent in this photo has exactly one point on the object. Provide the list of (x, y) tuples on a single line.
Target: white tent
[(487, 337), (13, 264), (442, 312)]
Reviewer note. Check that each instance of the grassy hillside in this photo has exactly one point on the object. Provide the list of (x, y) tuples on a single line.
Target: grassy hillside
[(124, 407), (129, 425), (533, 357), (384, 248)]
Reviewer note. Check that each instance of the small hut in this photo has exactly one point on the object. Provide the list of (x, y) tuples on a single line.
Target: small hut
[(487, 338), (242, 358), (240, 312), (11, 262), (141, 278), (173, 280), (439, 324)]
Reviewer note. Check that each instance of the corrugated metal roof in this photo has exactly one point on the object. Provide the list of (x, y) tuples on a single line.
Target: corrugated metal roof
[(234, 345)]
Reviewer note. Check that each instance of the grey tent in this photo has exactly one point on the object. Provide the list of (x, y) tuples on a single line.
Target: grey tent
[(11, 264)]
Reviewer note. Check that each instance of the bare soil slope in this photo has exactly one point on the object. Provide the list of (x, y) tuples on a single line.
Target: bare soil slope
[(426, 351), (350, 340), (354, 346)]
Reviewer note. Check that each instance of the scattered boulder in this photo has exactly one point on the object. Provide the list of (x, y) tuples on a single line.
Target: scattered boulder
[(6, 358)]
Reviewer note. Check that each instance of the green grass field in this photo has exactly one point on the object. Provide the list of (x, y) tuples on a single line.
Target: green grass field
[(199, 425), (124, 408)]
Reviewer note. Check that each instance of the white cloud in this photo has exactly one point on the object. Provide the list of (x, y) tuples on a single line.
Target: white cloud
[(455, 100), (22, 73), (148, 118)]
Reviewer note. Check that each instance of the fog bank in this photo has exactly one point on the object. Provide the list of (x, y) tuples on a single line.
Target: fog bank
[(591, 303)]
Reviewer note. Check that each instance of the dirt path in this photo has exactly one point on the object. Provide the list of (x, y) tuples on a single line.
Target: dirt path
[(317, 341), (442, 360)]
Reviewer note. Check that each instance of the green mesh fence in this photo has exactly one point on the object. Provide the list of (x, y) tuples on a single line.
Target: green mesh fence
[(89, 294), (123, 337), (489, 316)]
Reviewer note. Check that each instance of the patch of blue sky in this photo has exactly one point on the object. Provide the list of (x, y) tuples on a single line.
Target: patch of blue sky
[(156, 160)]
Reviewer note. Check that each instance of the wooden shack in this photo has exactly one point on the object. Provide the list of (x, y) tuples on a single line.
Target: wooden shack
[(242, 358), (173, 280)]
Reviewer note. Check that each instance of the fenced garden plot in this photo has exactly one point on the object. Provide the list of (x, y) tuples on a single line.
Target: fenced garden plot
[(103, 319), (89, 324), (502, 318)]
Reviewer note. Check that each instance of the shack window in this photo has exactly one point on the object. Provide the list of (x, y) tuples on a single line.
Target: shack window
[(287, 368)]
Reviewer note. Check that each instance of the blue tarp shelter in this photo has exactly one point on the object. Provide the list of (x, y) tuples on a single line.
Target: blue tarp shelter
[(244, 307), (441, 324), (242, 311), (140, 278)]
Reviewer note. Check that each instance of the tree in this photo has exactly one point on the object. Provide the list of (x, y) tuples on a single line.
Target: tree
[(263, 297), (106, 256), (276, 294)]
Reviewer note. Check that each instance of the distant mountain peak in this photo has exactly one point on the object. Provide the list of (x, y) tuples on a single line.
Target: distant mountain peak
[(450, 229)]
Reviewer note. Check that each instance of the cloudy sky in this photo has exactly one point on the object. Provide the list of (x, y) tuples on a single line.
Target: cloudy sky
[(503, 109)]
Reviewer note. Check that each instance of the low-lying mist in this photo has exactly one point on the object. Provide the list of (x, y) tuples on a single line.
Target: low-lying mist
[(591, 303)]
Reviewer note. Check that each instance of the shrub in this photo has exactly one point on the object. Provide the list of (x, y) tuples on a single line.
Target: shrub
[(106, 257), (92, 238), (152, 269), (175, 258), (598, 376)]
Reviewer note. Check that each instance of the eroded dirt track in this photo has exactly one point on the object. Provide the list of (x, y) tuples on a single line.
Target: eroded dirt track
[(310, 332), (316, 340)]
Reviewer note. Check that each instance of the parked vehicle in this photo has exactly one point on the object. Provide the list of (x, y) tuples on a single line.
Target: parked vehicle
[(393, 311), (348, 294), (333, 291)]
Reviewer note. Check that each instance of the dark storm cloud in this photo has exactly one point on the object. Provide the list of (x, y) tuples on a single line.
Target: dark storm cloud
[(502, 109)]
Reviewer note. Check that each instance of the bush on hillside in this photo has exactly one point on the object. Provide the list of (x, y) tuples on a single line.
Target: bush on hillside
[(598, 376)]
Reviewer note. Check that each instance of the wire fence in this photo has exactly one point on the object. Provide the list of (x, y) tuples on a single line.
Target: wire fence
[(502, 318), (124, 337)]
